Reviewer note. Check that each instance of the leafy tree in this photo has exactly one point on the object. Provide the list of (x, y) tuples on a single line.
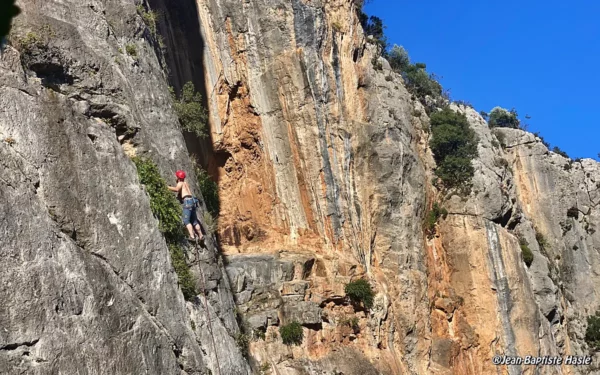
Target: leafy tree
[(454, 146), (192, 114), (374, 26), (398, 58), (500, 117), (360, 291), (421, 83)]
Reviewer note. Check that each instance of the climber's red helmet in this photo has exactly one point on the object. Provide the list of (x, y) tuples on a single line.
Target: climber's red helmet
[(180, 174)]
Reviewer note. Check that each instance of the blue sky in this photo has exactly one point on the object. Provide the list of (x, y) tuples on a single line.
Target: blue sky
[(540, 57)]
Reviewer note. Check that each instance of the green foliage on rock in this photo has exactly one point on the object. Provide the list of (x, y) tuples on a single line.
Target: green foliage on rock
[(243, 342), (592, 332), (186, 280), (416, 78), (373, 26), (131, 50), (557, 150), (502, 118), (163, 203), (360, 291), (209, 190), (541, 240), (150, 18), (398, 58), (433, 216), (526, 252), (291, 333), (188, 106), (454, 146)]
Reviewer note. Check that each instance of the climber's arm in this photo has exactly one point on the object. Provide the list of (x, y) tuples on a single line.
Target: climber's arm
[(176, 188)]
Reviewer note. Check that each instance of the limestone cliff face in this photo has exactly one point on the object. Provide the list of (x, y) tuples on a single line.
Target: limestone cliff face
[(318, 157), (324, 177), (323, 166)]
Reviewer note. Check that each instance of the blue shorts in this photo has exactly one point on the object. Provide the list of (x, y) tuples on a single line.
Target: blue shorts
[(189, 212)]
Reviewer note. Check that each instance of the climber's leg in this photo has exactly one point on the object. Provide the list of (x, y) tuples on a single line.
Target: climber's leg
[(191, 230), (196, 224), (187, 221)]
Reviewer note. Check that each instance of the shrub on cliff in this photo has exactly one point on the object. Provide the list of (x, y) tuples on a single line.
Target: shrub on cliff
[(373, 26), (432, 218), (184, 275), (416, 78), (163, 203), (360, 291), (557, 150), (454, 146), (526, 252), (592, 333), (501, 118), (188, 106), (291, 333)]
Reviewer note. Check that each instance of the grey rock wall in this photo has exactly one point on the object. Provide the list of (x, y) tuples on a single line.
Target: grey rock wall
[(87, 278)]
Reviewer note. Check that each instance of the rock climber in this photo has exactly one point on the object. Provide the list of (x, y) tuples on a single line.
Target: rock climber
[(184, 194)]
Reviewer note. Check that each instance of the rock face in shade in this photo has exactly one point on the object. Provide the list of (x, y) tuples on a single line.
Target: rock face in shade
[(87, 282), (324, 177)]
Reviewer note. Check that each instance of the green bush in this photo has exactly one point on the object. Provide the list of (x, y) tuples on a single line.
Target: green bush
[(163, 203), (150, 18), (557, 150), (592, 333), (360, 291), (416, 78), (131, 50), (454, 146), (398, 58), (192, 114), (186, 280), (291, 333), (541, 240), (243, 342), (352, 323), (501, 118), (374, 26), (432, 218), (527, 255)]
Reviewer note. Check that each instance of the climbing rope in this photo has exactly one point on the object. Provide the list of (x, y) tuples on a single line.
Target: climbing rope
[(206, 308)]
